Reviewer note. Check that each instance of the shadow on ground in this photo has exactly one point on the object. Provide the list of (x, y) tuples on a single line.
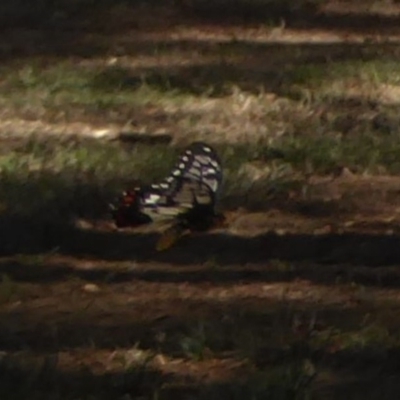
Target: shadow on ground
[(250, 65), (19, 237), (300, 13), (41, 378), (325, 259), (68, 33), (228, 326)]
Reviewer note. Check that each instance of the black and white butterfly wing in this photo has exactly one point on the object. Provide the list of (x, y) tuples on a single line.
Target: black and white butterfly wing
[(196, 176), (194, 180)]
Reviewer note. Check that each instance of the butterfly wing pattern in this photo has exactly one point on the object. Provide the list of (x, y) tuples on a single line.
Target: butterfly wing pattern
[(194, 182), (187, 196)]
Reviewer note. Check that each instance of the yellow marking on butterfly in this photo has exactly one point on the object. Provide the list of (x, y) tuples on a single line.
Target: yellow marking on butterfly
[(169, 237)]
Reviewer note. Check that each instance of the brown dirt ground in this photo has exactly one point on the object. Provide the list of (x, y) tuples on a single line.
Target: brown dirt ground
[(106, 296)]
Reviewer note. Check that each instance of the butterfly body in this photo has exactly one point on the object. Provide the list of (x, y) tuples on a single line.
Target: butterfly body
[(187, 196)]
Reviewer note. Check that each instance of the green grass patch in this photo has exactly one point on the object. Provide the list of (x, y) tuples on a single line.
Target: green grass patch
[(68, 88), (327, 81), (323, 154), (56, 178)]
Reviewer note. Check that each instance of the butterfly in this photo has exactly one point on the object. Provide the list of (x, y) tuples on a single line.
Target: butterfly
[(186, 197)]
